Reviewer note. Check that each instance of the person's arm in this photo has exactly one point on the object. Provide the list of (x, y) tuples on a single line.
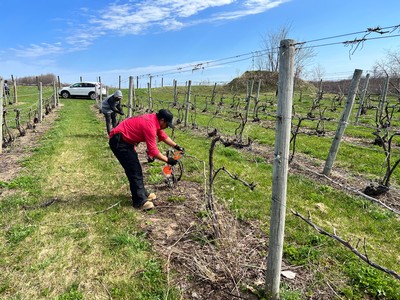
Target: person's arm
[(114, 105), (161, 157), (118, 106), (174, 145), (170, 142)]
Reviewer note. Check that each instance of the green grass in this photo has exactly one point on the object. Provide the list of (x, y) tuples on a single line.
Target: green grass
[(67, 251), (353, 218), (74, 164)]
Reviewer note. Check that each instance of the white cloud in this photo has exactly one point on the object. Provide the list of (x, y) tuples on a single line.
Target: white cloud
[(250, 7), (34, 50), (135, 17)]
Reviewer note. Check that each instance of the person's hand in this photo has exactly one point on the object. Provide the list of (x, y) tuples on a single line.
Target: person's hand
[(171, 161), (149, 158), (122, 113), (179, 148)]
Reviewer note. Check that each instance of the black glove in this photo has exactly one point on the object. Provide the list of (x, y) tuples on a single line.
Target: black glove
[(172, 161), (179, 148), (149, 158), (122, 113)]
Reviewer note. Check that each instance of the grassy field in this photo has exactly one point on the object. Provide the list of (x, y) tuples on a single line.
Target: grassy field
[(69, 251), (89, 244)]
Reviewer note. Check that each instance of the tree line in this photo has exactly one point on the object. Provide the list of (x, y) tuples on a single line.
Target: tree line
[(45, 79)]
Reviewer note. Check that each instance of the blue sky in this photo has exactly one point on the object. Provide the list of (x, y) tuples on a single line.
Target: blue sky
[(175, 39)]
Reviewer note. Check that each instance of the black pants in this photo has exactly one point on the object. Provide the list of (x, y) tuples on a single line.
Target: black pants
[(128, 158), (111, 119)]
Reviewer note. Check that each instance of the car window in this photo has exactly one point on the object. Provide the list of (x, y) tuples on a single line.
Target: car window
[(90, 85), (77, 85)]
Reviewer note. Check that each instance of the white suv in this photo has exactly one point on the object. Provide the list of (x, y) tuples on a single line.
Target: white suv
[(82, 89)]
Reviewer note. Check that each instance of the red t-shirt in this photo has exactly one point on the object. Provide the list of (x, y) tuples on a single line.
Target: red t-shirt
[(143, 128)]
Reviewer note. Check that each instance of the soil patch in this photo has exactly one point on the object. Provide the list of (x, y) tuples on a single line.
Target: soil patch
[(200, 264), (21, 148)]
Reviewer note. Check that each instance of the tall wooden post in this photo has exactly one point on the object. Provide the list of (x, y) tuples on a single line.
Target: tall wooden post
[(1, 113), (40, 102), (54, 94), (149, 94), (187, 103), (119, 82), (382, 100), (343, 122), (213, 94), (175, 92), (248, 98), (14, 89), (364, 91), (280, 168), (130, 96), (257, 98)]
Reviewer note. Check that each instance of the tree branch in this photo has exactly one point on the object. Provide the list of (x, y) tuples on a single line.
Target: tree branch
[(348, 245), (235, 177)]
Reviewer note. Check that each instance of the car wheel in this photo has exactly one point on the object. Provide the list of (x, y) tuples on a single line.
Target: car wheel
[(92, 96), (65, 94)]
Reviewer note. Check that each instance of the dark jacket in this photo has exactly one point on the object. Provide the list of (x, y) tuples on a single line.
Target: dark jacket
[(111, 104)]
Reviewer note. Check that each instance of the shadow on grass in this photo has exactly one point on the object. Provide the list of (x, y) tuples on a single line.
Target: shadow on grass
[(96, 135)]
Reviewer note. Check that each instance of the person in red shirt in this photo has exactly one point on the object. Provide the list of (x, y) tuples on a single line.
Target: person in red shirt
[(127, 135)]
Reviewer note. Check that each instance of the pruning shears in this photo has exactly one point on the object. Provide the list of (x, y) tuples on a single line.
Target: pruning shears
[(173, 174)]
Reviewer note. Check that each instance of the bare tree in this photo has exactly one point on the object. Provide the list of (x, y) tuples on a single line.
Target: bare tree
[(270, 61), (389, 66), (318, 72), (46, 79), (270, 43)]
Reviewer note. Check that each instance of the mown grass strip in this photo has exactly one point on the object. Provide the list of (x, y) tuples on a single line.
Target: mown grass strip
[(68, 250)]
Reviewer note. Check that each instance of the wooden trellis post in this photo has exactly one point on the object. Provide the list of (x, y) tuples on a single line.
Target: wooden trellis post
[(187, 103), (149, 94), (343, 122), (1, 113), (40, 102), (280, 168), (130, 96), (382, 100), (175, 92), (14, 89), (54, 94), (257, 98), (248, 98), (101, 92), (364, 91), (213, 94)]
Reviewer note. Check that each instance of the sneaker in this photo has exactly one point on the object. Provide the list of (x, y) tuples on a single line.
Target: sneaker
[(147, 206), (151, 197)]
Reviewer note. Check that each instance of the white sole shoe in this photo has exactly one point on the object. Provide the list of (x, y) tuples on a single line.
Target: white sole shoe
[(147, 206), (151, 197)]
